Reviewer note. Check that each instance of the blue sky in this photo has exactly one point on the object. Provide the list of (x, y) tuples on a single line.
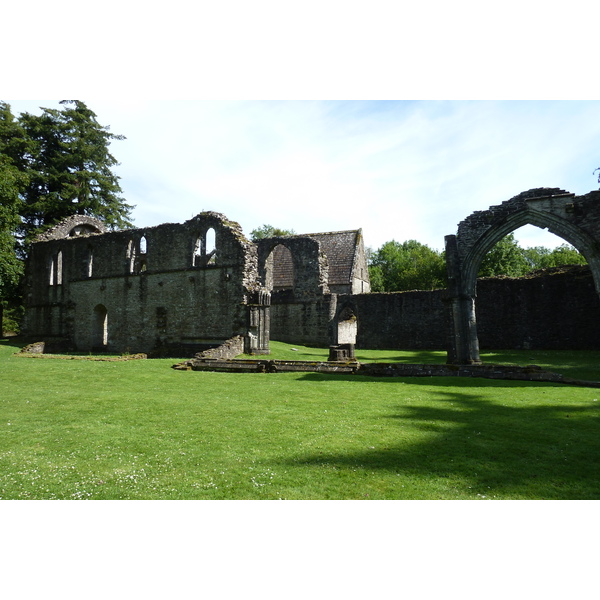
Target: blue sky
[(397, 169)]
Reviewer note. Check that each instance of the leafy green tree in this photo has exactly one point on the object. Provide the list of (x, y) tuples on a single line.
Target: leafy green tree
[(508, 258), (268, 231), (544, 258), (65, 154), (12, 181), (406, 266), (505, 258)]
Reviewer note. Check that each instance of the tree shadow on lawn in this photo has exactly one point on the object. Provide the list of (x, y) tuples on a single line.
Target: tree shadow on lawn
[(404, 356), (527, 452)]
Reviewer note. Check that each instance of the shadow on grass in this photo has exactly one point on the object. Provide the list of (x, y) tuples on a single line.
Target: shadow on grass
[(15, 341), (471, 446), (459, 382), (404, 356)]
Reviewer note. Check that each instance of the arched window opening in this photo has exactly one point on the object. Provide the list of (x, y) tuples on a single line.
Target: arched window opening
[(143, 245), (211, 247), (131, 256), (100, 330), (211, 241), (197, 255), (59, 268), (205, 249), (281, 264), (51, 269), (90, 262), (55, 268)]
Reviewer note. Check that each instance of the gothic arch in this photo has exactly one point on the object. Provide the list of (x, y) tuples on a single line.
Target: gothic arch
[(100, 327), (576, 219), (309, 264)]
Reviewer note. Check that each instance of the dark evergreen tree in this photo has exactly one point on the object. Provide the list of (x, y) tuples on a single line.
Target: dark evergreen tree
[(66, 157), (52, 166)]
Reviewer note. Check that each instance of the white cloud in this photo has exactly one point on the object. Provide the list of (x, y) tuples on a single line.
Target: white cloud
[(399, 170)]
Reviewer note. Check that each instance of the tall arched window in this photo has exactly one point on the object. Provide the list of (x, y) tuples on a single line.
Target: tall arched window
[(131, 256), (196, 257), (59, 268), (100, 330), (205, 249), (281, 263), (143, 245), (56, 262), (210, 241)]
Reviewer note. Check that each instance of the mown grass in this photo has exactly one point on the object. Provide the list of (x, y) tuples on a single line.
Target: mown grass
[(141, 430)]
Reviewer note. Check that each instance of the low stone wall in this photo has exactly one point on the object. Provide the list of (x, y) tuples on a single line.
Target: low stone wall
[(265, 366), (528, 373)]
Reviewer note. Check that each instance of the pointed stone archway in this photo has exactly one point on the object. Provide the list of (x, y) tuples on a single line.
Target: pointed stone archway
[(576, 219)]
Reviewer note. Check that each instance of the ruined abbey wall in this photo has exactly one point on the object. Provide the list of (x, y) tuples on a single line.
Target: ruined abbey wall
[(303, 321), (171, 287), (181, 288), (557, 309)]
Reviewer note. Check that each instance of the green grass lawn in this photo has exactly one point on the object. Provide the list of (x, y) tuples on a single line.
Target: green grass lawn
[(78, 429)]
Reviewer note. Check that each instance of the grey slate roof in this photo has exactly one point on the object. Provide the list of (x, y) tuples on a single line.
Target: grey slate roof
[(340, 248)]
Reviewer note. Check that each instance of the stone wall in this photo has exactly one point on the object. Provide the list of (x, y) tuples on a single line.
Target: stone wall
[(575, 219), (557, 309), (399, 320), (145, 290), (306, 322)]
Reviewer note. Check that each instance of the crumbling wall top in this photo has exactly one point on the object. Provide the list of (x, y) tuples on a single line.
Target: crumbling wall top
[(74, 226)]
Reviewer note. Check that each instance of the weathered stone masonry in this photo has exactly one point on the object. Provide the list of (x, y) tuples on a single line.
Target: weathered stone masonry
[(309, 273), (172, 288), (182, 288), (549, 310), (576, 219)]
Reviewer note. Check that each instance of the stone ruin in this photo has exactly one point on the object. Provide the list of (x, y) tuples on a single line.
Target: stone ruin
[(178, 289), (576, 219), (201, 286)]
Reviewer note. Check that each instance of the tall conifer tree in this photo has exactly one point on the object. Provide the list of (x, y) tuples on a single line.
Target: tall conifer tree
[(67, 159)]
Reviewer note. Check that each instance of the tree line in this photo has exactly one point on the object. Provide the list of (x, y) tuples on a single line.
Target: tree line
[(411, 265), (52, 166)]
